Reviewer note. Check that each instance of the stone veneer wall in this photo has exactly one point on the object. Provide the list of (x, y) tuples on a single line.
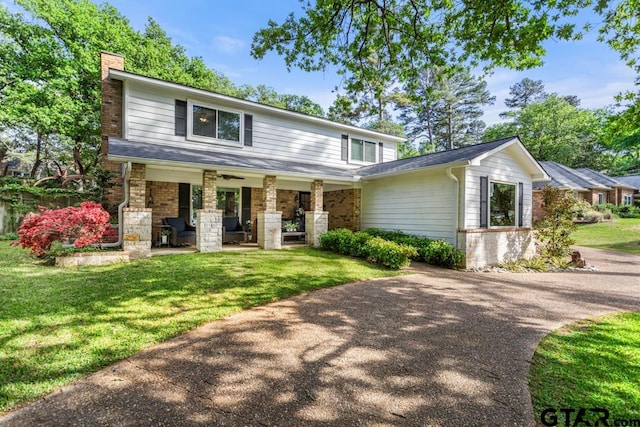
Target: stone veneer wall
[(137, 232), (316, 223), (344, 208), (484, 247), (209, 230), (111, 116)]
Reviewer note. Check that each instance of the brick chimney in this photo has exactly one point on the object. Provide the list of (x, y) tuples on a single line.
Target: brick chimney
[(111, 118)]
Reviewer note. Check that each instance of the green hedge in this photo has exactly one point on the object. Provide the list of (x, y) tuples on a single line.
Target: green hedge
[(434, 252), (392, 249), (625, 211)]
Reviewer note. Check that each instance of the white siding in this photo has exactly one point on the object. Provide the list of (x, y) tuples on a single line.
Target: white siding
[(150, 118), (421, 203), (500, 166)]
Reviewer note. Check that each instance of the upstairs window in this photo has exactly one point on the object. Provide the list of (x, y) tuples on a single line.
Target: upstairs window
[(208, 123), (363, 151)]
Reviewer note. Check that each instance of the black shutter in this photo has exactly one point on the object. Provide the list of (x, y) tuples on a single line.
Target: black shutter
[(345, 147), (380, 152), (248, 130), (181, 118), (520, 204), (484, 201)]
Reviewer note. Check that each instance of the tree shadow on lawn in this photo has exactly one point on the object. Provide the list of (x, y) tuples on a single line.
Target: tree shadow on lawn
[(450, 348), (98, 315)]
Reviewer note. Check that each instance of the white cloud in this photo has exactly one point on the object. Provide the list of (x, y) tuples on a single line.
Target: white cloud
[(228, 45)]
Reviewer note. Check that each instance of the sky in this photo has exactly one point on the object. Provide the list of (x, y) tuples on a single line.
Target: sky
[(221, 33)]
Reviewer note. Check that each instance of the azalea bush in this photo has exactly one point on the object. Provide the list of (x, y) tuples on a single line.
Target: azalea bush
[(81, 226)]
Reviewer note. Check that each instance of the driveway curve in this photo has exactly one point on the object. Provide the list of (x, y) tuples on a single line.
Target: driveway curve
[(437, 347)]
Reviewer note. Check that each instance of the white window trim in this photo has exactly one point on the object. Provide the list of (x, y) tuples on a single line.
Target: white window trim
[(200, 138), (362, 162), (601, 199), (515, 210), (627, 198)]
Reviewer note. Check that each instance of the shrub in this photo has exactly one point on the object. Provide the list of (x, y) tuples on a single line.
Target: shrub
[(594, 216), (435, 252), (389, 254), (628, 211), (84, 226), (580, 209), (556, 226), (8, 236), (438, 252)]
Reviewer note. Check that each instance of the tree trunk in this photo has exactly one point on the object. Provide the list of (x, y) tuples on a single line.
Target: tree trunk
[(38, 161)]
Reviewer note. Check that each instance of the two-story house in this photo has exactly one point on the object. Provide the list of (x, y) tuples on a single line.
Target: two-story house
[(203, 156)]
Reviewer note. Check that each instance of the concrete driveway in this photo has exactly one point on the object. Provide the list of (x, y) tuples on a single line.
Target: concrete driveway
[(437, 347)]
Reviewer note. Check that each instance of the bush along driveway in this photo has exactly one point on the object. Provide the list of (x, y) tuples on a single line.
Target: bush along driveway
[(439, 347)]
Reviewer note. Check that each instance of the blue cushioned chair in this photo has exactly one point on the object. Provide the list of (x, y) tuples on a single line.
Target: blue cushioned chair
[(181, 232)]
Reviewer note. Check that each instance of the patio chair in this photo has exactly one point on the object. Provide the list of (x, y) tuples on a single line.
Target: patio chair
[(181, 232)]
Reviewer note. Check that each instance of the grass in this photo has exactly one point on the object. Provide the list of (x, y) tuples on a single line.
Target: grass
[(59, 325), (590, 364), (621, 235)]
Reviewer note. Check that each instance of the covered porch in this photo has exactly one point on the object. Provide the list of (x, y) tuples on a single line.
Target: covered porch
[(269, 210)]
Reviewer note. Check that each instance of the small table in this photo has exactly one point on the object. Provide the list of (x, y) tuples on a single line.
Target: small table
[(166, 229), (299, 234)]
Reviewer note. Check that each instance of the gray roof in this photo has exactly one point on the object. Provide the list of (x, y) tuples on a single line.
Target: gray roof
[(119, 147), (564, 177), (146, 150), (433, 159), (631, 180), (602, 178), (581, 179)]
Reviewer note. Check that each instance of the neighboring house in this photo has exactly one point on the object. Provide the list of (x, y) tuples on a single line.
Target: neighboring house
[(632, 181), (585, 184), (204, 156)]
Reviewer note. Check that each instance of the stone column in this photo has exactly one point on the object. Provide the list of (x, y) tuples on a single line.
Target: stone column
[(137, 218), (270, 220), (316, 220), (209, 219), (137, 232)]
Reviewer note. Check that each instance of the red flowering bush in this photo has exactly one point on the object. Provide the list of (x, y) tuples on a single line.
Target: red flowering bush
[(84, 225)]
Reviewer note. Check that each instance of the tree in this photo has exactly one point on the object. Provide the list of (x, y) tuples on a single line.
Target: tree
[(556, 226), (622, 137), (555, 130), (524, 93), (267, 95), (443, 109), (410, 35)]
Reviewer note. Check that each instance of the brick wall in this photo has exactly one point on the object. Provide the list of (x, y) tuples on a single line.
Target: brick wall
[(269, 195), (344, 208), (138, 186), (286, 203), (165, 202), (317, 196), (111, 117)]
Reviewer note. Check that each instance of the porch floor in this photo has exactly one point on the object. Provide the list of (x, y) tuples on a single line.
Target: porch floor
[(237, 247)]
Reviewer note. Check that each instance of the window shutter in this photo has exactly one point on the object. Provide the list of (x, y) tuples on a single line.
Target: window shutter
[(181, 118), (520, 204), (381, 152), (345, 147), (484, 201), (248, 130)]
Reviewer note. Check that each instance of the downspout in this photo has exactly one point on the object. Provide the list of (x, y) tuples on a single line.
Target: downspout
[(126, 174), (457, 210)]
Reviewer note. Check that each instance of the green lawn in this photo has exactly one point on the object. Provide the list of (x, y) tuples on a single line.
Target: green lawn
[(58, 325), (590, 364), (621, 235)]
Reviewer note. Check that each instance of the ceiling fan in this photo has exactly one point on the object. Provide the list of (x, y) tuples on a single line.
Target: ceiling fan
[(228, 177)]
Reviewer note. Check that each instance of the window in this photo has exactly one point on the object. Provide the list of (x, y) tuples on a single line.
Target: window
[(628, 199), (208, 123), (363, 151), (502, 204), (600, 198), (181, 118), (228, 200)]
